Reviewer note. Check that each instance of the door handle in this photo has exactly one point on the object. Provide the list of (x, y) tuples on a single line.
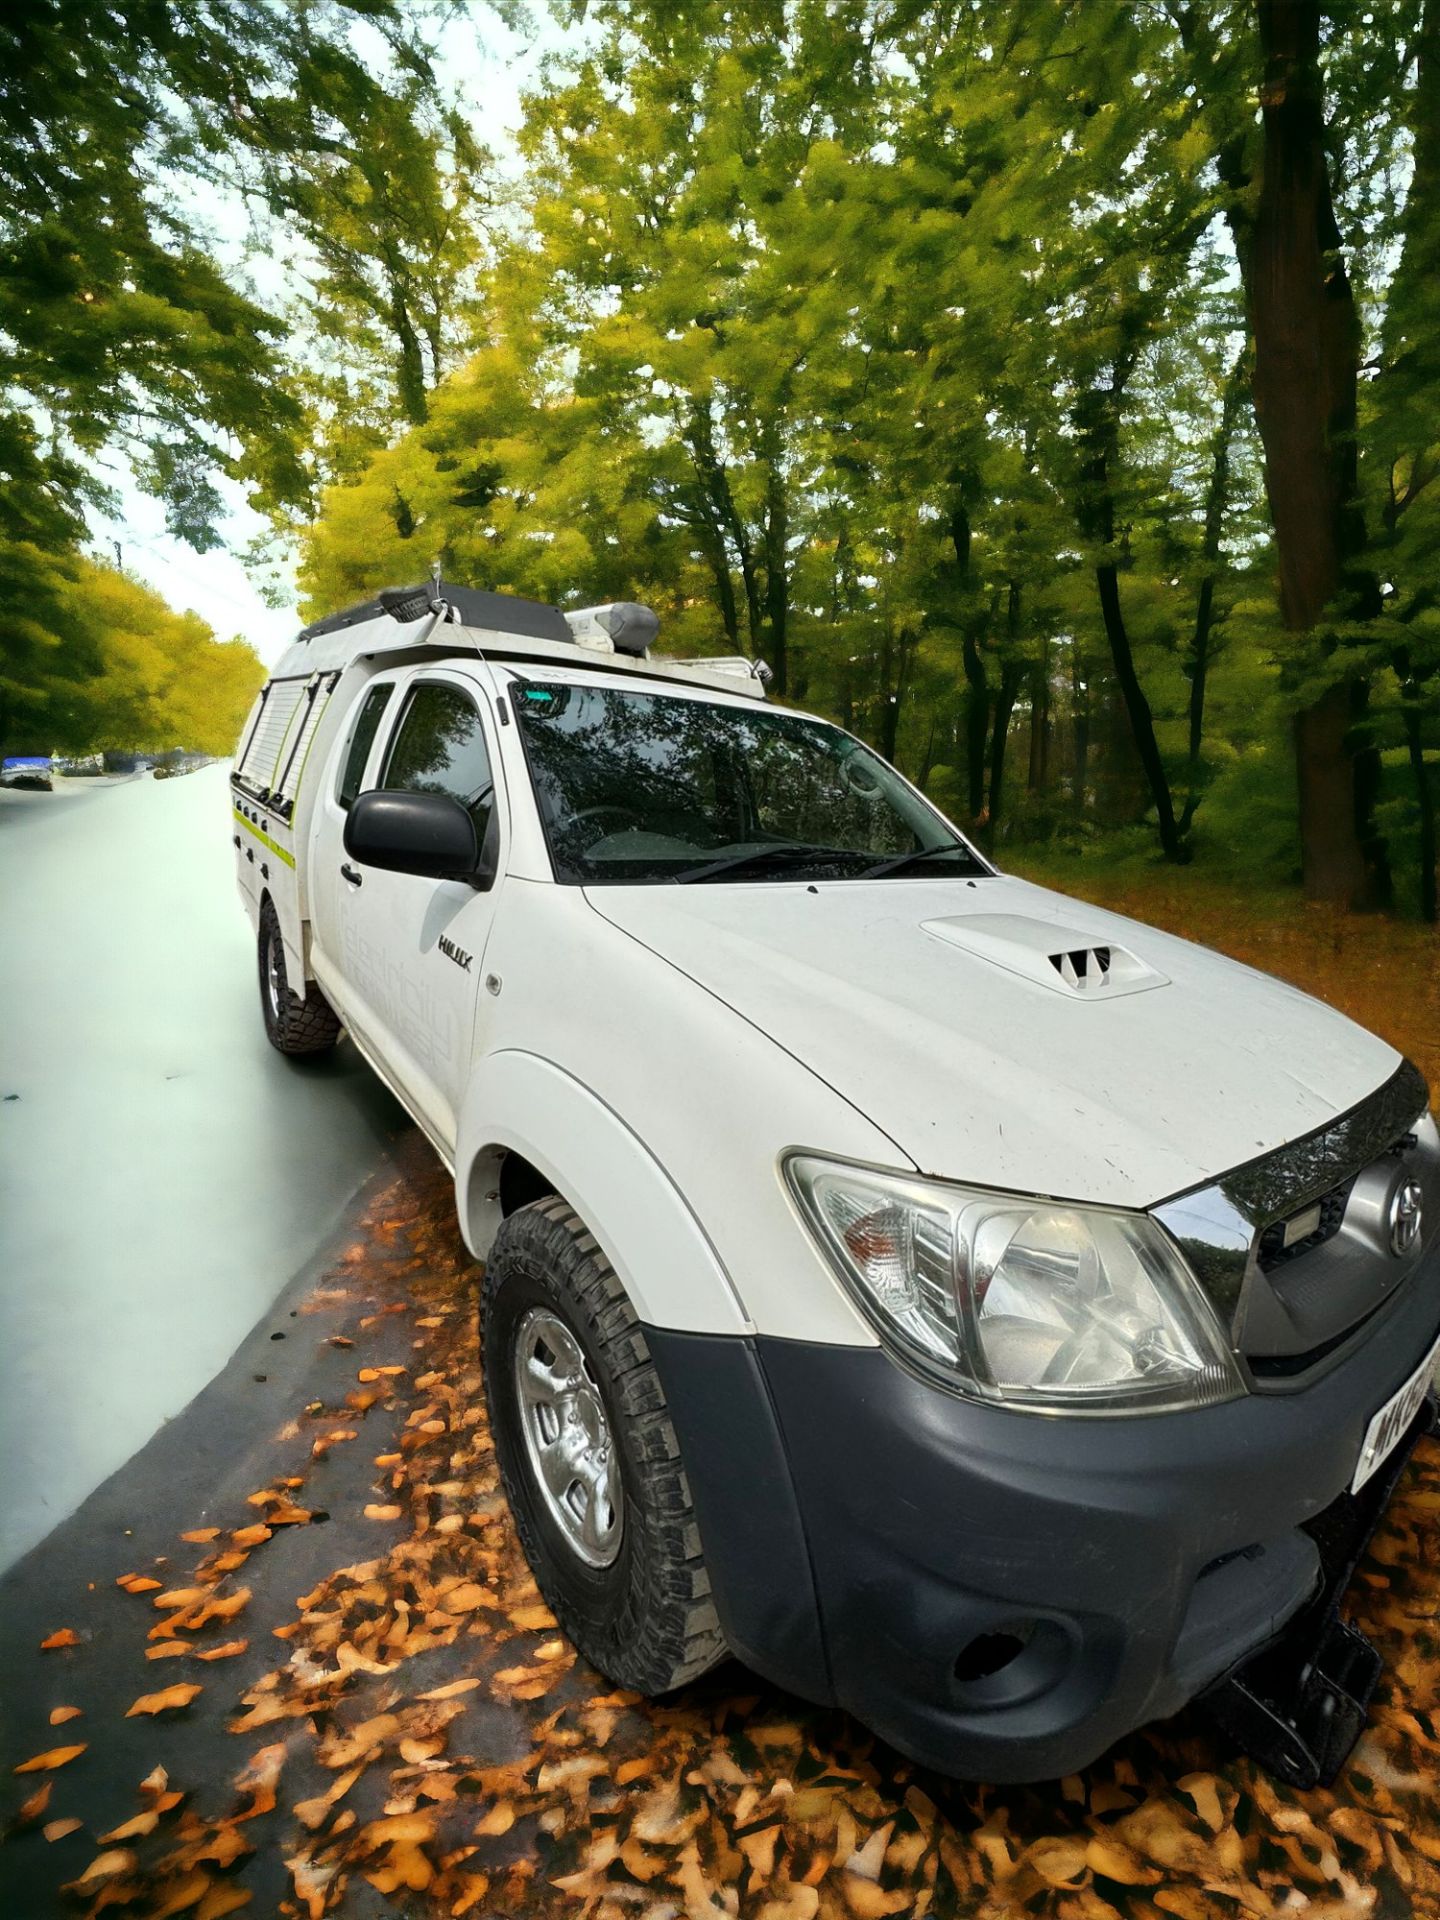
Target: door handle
[(350, 874)]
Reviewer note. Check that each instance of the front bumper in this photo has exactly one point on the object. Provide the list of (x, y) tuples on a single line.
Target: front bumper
[(878, 1542)]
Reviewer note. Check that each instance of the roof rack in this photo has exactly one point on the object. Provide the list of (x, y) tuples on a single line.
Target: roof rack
[(438, 616)]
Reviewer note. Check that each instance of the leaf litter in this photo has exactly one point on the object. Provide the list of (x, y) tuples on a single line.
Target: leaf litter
[(427, 1736)]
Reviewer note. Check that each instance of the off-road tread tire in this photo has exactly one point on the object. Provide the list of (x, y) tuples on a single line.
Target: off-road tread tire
[(647, 1621), (306, 1026)]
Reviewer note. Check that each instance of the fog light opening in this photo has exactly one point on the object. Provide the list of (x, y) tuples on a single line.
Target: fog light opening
[(1010, 1662), (990, 1653)]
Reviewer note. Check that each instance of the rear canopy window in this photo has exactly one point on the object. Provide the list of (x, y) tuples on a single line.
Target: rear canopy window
[(649, 787)]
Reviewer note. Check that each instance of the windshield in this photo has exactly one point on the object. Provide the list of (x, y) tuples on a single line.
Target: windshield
[(644, 787)]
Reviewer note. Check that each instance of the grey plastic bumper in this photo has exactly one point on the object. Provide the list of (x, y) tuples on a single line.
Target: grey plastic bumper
[(864, 1529)]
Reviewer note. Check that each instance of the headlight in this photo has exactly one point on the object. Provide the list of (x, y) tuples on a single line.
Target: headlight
[(1030, 1303)]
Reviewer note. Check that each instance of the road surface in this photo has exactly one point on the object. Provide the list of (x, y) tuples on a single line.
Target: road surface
[(163, 1173)]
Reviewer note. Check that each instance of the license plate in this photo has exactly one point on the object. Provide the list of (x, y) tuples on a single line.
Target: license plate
[(1392, 1422)]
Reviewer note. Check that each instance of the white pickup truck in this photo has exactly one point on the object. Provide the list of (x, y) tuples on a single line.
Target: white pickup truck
[(959, 1303)]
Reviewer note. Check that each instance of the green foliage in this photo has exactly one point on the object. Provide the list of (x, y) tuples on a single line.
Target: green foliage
[(122, 338), (99, 660), (910, 349)]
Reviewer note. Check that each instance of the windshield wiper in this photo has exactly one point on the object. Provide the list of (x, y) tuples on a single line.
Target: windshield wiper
[(781, 853), (915, 856)]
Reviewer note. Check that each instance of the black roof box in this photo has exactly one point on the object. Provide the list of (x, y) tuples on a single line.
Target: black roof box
[(501, 612)]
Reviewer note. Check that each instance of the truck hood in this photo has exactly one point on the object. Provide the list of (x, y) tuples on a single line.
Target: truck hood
[(1002, 1034)]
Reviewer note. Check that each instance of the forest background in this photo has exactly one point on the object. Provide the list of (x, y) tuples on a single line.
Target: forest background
[(1048, 392)]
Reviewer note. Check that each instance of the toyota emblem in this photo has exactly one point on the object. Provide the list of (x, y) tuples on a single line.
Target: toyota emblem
[(1407, 1206)]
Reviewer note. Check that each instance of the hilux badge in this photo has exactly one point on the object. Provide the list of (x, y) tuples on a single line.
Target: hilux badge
[(1406, 1210)]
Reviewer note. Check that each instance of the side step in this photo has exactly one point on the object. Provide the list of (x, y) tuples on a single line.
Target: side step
[(1298, 1705)]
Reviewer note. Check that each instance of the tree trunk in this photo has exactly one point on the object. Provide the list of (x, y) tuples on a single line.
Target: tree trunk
[(724, 586), (1412, 714), (1012, 678), (410, 388), (1307, 346), (1038, 771), (777, 572), (927, 759), (1097, 419), (1142, 721), (977, 722), (895, 689), (1425, 799), (1080, 724), (977, 689), (716, 483), (1217, 497)]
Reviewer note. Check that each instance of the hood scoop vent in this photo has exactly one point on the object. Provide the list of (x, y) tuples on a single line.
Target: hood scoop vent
[(1060, 958)]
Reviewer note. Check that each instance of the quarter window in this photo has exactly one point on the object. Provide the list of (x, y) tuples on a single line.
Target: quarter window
[(367, 724), (439, 747)]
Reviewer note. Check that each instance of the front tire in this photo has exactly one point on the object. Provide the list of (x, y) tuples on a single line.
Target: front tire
[(292, 1026), (589, 1457)]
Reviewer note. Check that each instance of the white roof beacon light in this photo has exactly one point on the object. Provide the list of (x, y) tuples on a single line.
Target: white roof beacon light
[(620, 626)]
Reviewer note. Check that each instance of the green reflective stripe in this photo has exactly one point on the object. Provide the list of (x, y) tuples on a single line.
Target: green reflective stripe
[(264, 838)]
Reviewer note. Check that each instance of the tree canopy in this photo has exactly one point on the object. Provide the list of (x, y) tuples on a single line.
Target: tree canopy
[(131, 345), (1045, 391)]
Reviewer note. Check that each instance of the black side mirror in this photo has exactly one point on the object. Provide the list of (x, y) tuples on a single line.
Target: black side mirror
[(424, 833)]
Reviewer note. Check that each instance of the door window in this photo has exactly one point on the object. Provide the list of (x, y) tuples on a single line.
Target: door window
[(367, 724), (439, 747)]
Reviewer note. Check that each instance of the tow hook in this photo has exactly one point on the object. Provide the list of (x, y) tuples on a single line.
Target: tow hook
[(1298, 1706)]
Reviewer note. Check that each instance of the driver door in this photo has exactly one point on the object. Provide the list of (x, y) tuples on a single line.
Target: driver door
[(411, 948)]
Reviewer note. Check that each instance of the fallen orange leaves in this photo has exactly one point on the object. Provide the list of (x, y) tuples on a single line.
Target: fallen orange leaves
[(312, 1883), (53, 1757), (138, 1583), (59, 1715), (133, 1829), (467, 1597), (714, 1801), (221, 1897), (260, 1780), (405, 1863), (65, 1637), (451, 1688), (179, 1597), (57, 1829), (343, 1749), (205, 1607), (30, 1810), (105, 1866), (225, 1652), (168, 1700)]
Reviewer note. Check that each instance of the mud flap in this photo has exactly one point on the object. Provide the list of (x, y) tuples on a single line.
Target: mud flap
[(1298, 1705)]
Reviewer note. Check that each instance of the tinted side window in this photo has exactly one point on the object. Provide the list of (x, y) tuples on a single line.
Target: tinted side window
[(358, 752), (439, 747)]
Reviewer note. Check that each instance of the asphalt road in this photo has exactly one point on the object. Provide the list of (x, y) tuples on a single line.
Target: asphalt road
[(163, 1173)]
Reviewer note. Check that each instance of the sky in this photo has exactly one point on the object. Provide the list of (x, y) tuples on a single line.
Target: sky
[(491, 69)]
